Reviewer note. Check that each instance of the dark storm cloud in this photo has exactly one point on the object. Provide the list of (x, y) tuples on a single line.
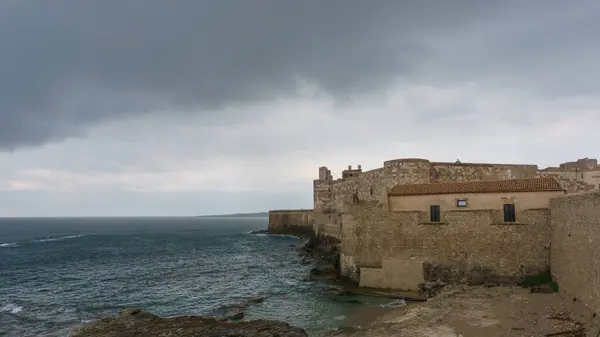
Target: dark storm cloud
[(67, 64)]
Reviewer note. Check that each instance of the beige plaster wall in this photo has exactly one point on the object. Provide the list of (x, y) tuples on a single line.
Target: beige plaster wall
[(575, 249), (480, 201)]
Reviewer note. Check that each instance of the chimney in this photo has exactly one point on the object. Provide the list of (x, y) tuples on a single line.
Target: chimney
[(349, 167), (359, 167)]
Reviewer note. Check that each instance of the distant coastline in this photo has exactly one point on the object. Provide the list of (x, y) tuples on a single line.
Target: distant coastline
[(237, 215)]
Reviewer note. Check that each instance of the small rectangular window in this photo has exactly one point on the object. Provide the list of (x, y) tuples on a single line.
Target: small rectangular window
[(461, 203), (434, 213), (509, 213)]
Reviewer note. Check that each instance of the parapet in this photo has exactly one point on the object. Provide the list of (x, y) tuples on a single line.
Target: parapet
[(349, 173), (404, 161)]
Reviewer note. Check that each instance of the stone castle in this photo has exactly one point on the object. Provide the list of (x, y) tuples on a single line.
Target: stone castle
[(414, 221)]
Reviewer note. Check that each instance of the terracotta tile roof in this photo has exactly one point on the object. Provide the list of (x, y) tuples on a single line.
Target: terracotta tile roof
[(489, 186)]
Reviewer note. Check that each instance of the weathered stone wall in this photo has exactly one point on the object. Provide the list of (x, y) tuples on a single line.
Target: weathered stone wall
[(578, 176), (581, 164), (323, 195), (468, 241), (574, 181), (373, 185), (295, 221), (327, 224), (444, 172), (330, 195), (575, 248)]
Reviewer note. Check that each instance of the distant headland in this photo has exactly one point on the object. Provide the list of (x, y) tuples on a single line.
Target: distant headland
[(237, 215)]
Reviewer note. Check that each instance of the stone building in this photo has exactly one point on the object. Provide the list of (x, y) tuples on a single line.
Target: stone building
[(414, 220), (455, 232), (582, 175), (356, 185)]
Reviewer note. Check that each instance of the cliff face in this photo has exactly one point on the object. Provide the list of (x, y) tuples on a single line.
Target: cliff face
[(137, 323)]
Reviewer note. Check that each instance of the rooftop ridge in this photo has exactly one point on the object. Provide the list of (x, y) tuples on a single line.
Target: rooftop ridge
[(482, 186)]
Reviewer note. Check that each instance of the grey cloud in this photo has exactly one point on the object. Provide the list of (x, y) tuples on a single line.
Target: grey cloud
[(66, 64)]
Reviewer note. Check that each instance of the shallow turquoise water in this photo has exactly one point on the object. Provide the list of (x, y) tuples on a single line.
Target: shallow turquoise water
[(57, 273)]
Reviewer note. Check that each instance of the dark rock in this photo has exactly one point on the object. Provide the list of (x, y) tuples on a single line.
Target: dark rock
[(144, 324), (430, 289), (256, 300), (352, 301), (542, 288), (340, 292), (130, 311), (236, 316)]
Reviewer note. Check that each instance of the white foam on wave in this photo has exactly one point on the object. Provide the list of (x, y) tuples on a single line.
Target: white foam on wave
[(11, 308), (8, 244), (275, 235), (59, 238), (394, 304)]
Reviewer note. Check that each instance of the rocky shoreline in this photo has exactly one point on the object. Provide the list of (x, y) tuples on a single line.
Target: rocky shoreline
[(139, 323)]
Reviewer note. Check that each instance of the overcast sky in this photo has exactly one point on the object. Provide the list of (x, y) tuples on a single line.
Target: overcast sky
[(153, 107)]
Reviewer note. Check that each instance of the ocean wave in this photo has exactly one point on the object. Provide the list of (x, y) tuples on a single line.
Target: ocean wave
[(284, 236), (59, 238), (8, 244), (11, 308), (394, 304)]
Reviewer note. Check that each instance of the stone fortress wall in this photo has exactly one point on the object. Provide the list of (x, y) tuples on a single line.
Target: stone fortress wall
[(291, 221), (575, 247), (357, 186), (355, 209)]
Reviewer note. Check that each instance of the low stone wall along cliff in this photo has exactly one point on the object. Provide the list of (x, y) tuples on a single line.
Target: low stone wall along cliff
[(293, 221)]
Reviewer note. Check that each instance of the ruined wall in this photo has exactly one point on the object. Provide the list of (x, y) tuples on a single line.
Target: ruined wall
[(472, 244), (574, 181), (299, 221), (578, 176), (444, 172), (575, 249)]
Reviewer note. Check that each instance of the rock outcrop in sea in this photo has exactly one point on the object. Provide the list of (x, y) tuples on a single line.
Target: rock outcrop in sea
[(139, 323)]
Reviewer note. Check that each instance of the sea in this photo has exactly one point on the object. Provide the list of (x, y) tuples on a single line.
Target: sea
[(57, 273)]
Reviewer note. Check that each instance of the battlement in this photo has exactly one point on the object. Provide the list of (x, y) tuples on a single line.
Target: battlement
[(404, 161), (349, 173)]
